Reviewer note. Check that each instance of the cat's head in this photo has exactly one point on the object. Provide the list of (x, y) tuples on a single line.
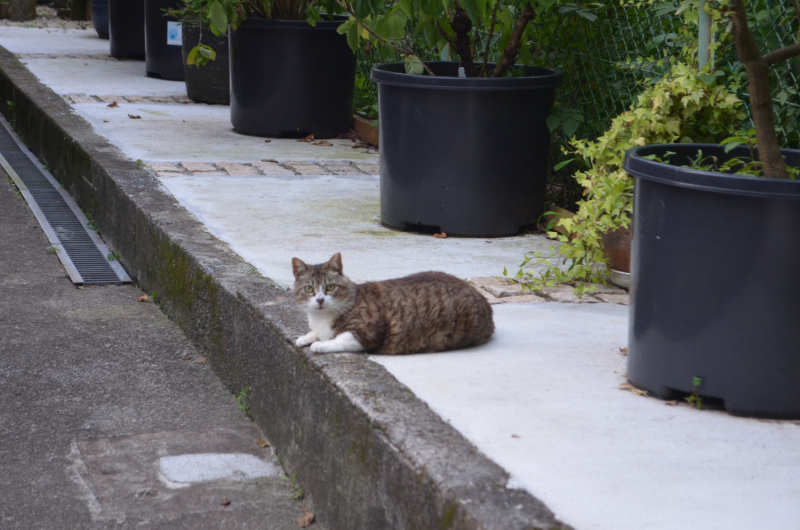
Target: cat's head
[(322, 287)]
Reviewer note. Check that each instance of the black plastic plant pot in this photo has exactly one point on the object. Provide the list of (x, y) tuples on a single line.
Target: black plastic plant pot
[(289, 79), (465, 156), (209, 83), (163, 45), (715, 282), (126, 29), (100, 17)]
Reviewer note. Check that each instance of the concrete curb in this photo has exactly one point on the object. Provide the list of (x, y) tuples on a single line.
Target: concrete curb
[(370, 454)]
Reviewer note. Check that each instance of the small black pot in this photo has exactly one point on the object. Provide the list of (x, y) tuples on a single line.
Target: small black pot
[(715, 289), (289, 79), (163, 61), (210, 83), (465, 156), (126, 29), (100, 17)]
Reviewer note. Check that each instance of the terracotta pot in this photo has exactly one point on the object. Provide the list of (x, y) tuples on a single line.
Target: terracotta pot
[(618, 249)]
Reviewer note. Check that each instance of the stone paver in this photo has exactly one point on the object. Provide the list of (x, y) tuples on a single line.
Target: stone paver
[(368, 168), (135, 99), (342, 169), (272, 168), (622, 299), (566, 294), (499, 287), (80, 98), (236, 169), (164, 166), (307, 169), (198, 166)]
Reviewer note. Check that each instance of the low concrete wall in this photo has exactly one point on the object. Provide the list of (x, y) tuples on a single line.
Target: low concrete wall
[(370, 454)]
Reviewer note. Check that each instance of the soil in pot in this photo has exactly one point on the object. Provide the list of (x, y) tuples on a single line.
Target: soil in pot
[(465, 156), (209, 83), (715, 288), (126, 29), (305, 89)]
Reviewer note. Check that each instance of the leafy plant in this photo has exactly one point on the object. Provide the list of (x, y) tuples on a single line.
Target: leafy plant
[(243, 400), (477, 32), (113, 256), (694, 398), (298, 491), (679, 108)]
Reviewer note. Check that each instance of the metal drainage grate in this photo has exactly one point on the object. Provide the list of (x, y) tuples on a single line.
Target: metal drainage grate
[(80, 249)]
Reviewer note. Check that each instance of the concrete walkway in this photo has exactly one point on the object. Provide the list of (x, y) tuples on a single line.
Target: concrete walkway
[(541, 399)]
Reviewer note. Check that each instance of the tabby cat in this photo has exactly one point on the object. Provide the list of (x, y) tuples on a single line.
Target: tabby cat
[(424, 312)]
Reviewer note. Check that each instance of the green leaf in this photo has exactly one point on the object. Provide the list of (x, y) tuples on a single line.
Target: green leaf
[(352, 37), (697, 381), (191, 58), (207, 52), (563, 164), (312, 16), (472, 9), (216, 14), (344, 28), (552, 122), (569, 126), (413, 65), (397, 26)]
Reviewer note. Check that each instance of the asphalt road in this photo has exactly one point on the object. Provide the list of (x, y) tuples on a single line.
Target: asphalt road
[(95, 388)]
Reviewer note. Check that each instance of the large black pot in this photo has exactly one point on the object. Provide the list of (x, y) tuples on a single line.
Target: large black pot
[(100, 17), (163, 61), (126, 28), (289, 79), (210, 83), (467, 156), (715, 282)]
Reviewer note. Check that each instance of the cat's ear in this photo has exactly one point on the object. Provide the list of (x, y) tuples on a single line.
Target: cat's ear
[(298, 267), (335, 263)]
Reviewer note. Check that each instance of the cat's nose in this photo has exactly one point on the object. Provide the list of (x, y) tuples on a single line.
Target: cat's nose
[(320, 301)]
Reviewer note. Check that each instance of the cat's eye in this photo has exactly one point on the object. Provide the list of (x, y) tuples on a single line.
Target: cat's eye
[(330, 287), (309, 289)]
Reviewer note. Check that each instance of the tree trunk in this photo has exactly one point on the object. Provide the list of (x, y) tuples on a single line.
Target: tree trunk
[(80, 10), (769, 151)]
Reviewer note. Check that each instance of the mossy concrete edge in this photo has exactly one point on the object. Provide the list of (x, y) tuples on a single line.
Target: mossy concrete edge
[(366, 450)]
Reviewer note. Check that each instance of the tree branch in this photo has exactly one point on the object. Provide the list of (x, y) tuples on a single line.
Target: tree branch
[(796, 10), (405, 50), (781, 55), (462, 26), (512, 49), (489, 41)]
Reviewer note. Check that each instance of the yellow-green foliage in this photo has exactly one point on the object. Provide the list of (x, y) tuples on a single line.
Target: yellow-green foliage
[(679, 108)]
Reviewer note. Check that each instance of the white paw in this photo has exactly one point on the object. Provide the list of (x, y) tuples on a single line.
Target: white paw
[(325, 346), (306, 339)]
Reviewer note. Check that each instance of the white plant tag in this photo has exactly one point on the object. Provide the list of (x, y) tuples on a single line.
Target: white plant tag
[(174, 33), (461, 72)]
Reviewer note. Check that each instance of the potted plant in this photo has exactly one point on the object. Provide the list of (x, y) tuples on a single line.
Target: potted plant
[(463, 144), (99, 10), (163, 42), (126, 29), (206, 67), (715, 292), (292, 73)]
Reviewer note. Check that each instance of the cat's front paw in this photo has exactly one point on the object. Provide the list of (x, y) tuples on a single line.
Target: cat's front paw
[(325, 346), (306, 339)]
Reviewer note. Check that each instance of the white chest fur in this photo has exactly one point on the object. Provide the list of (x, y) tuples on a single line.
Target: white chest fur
[(320, 322)]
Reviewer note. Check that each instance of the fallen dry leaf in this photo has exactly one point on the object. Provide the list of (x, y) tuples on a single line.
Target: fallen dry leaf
[(112, 104), (131, 116), (639, 392), (262, 443), (623, 350), (515, 436), (630, 388), (267, 141), (305, 520), (323, 143), (671, 403), (269, 160), (440, 235), (309, 139), (105, 121), (144, 298), (225, 502), (625, 386), (201, 360)]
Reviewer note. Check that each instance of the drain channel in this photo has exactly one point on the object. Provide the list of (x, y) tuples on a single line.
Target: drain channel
[(80, 249)]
